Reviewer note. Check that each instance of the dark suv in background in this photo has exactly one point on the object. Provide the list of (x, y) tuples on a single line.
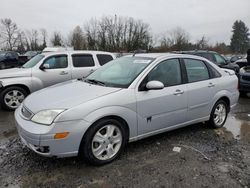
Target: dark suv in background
[(214, 57), (11, 59)]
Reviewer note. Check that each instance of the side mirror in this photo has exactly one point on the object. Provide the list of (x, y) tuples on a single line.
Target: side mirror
[(154, 85), (44, 66)]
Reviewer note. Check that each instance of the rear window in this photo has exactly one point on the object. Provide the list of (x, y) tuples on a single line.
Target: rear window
[(103, 58), (83, 60)]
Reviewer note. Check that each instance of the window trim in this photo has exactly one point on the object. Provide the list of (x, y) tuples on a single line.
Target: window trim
[(82, 54), (59, 55), (142, 85)]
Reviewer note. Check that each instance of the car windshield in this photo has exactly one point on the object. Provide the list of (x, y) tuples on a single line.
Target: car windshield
[(120, 72), (2, 54), (33, 61)]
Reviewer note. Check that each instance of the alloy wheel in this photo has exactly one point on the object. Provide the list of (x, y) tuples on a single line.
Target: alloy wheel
[(106, 142), (220, 114), (13, 98)]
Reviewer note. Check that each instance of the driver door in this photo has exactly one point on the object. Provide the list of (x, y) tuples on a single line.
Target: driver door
[(160, 109), (54, 69)]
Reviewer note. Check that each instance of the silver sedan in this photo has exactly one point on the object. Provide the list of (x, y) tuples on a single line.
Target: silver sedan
[(127, 99)]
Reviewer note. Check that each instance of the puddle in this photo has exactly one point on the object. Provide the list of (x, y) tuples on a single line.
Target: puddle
[(239, 126)]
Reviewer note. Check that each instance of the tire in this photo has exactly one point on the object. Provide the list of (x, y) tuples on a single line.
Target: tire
[(12, 97), (219, 114), (98, 136)]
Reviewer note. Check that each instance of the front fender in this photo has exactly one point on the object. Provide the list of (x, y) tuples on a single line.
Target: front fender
[(26, 81), (127, 114)]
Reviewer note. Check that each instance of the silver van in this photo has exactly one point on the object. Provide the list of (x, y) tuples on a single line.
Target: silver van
[(47, 69)]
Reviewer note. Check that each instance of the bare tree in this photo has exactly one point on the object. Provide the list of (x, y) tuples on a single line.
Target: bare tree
[(8, 34), (44, 38), (179, 39), (33, 39), (202, 44), (56, 39), (91, 29), (21, 42), (77, 39), (117, 34)]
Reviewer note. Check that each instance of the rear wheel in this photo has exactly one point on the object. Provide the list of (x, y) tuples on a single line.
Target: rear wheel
[(103, 142), (12, 97), (219, 114)]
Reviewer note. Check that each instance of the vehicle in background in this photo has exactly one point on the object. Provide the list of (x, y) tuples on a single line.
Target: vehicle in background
[(57, 49), (128, 99), (242, 62), (30, 54), (47, 69), (213, 57), (235, 58), (9, 59), (244, 77)]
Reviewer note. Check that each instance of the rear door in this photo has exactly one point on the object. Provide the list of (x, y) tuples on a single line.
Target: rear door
[(202, 87), (82, 65)]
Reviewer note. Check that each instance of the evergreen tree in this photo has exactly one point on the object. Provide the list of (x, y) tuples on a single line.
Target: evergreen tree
[(240, 38)]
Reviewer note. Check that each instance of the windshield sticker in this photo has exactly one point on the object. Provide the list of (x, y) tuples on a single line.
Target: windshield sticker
[(146, 61)]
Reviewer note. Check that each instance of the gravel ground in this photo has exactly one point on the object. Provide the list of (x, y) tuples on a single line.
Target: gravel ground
[(208, 158)]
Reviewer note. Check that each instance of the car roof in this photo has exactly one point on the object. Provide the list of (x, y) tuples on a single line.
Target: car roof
[(164, 55), (195, 51), (77, 52)]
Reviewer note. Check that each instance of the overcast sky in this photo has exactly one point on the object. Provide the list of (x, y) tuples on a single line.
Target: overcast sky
[(212, 18)]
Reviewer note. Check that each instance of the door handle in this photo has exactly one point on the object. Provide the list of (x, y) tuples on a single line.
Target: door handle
[(178, 92), (211, 85), (91, 71), (63, 73)]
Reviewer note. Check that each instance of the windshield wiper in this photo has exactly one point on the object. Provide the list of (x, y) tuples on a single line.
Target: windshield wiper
[(92, 81)]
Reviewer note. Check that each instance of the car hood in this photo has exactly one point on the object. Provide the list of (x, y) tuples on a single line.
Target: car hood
[(66, 95), (15, 72)]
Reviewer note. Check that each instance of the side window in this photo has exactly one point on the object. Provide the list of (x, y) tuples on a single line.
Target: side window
[(103, 58), (196, 70), (219, 59), (168, 72), (56, 62), (213, 72), (83, 60)]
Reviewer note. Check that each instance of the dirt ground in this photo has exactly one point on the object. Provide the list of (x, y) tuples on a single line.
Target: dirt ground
[(208, 158)]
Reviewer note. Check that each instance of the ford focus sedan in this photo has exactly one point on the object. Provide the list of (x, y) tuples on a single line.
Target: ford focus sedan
[(128, 99)]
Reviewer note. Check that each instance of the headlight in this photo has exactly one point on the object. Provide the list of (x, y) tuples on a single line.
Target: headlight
[(46, 117)]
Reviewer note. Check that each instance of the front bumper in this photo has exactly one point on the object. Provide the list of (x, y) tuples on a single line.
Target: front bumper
[(40, 138)]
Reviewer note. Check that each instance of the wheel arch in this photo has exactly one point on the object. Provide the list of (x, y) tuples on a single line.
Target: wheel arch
[(226, 100), (115, 117), (26, 88)]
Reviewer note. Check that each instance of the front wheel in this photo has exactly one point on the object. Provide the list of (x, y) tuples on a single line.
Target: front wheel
[(103, 142), (12, 97), (219, 114)]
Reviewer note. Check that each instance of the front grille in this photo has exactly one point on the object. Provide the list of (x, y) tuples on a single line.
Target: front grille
[(26, 113), (247, 78)]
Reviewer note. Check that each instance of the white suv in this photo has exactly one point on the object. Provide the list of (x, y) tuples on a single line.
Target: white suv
[(45, 70)]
